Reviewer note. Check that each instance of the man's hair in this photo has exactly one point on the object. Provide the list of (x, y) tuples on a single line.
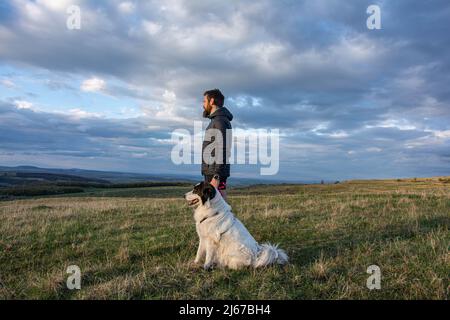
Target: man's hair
[(216, 95)]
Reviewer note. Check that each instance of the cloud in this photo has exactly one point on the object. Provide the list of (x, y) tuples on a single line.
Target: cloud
[(22, 104), (338, 91), (93, 85), (78, 134), (442, 134), (7, 83), (151, 28), (58, 6), (126, 7), (78, 113)]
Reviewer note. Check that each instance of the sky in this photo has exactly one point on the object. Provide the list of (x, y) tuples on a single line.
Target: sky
[(349, 102)]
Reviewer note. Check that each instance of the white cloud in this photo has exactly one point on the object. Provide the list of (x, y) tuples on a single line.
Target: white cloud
[(339, 134), (59, 5), (356, 49), (168, 109), (7, 83), (445, 134), (93, 85), (169, 96), (400, 124), (32, 11), (152, 28), (139, 155), (127, 7), (79, 114), (22, 104)]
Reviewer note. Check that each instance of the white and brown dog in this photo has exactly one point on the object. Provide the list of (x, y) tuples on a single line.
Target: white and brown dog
[(224, 240)]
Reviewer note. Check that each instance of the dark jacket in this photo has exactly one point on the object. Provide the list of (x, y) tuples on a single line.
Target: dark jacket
[(220, 119)]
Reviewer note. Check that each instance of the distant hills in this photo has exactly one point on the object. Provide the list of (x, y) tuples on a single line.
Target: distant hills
[(31, 175), (20, 175)]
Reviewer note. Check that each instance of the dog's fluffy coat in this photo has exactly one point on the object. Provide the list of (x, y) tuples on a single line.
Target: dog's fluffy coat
[(224, 240)]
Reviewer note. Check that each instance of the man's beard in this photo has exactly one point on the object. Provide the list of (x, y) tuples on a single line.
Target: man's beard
[(205, 113)]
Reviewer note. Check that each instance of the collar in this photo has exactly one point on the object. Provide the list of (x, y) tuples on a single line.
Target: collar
[(209, 216)]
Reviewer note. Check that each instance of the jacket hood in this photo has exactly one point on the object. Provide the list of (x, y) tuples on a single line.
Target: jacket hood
[(221, 112)]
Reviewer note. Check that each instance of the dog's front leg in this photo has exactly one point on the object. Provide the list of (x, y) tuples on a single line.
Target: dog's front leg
[(210, 255), (200, 252)]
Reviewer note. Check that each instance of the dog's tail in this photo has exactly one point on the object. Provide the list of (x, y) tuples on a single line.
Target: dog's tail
[(270, 254)]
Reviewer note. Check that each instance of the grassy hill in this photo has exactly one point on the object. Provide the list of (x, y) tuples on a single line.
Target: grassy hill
[(92, 175), (27, 181), (142, 247)]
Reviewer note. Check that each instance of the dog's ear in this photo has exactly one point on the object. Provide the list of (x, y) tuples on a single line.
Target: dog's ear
[(209, 192)]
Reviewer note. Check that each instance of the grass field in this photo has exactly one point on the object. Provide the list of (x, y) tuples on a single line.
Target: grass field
[(140, 244)]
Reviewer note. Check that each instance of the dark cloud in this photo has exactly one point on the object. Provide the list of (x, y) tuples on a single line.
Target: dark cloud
[(25, 130)]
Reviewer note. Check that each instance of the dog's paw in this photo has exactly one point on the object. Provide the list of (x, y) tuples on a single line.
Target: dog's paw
[(208, 266)]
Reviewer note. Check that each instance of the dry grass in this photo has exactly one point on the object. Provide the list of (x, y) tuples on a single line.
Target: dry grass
[(141, 248)]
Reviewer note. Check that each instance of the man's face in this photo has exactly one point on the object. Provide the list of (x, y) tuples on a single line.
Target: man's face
[(207, 104)]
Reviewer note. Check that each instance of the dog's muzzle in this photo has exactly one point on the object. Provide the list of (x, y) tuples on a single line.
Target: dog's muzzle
[(191, 202)]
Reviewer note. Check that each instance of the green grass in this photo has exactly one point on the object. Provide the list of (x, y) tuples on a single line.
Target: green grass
[(144, 192), (133, 246), (54, 190)]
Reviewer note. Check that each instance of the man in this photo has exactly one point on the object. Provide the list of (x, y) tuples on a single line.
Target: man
[(216, 172)]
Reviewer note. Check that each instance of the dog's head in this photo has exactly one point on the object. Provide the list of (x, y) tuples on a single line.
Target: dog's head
[(201, 193)]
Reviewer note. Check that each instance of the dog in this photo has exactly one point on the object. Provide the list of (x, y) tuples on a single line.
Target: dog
[(224, 240)]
